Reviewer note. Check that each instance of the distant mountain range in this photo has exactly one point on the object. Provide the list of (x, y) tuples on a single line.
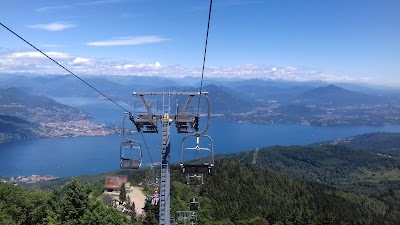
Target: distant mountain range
[(252, 100), (337, 96), (67, 86)]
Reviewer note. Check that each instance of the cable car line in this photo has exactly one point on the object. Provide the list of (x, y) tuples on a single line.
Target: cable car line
[(145, 144), (205, 54), (63, 67), (108, 98), (185, 123)]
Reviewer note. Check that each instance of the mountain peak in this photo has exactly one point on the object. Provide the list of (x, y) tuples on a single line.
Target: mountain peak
[(334, 86), (336, 95), (331, 88)]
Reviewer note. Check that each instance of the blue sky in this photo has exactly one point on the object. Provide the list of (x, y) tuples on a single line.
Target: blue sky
[(337, 40)]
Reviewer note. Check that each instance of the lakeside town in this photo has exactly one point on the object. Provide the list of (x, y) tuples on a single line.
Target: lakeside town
[(75, 128), (53, 120), (314, 115), (28, 179)]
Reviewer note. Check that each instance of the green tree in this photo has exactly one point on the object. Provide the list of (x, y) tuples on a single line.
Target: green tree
[(37, 206), (4, 217), (133, 210), (122, 193), (75, 202), (127, 202), (151, 214), (18, 206), (101, 214), (259, 221), (54, 210)]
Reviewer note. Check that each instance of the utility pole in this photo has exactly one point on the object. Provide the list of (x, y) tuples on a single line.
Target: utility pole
[(184, 122)]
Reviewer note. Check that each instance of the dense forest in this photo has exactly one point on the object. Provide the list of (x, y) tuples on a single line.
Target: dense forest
[(380, 142), (334, 165), (233, 194), (74, 203), (241, 193), (322, 184)]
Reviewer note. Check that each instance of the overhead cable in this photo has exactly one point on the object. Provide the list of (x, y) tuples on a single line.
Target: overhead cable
[(63, 67), (148, 152), (204, 58), (108, 98)]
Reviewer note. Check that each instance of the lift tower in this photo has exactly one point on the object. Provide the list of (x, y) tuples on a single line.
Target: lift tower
[(184, 122)]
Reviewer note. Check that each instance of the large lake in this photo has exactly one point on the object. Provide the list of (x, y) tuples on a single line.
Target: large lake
[(66, 157)]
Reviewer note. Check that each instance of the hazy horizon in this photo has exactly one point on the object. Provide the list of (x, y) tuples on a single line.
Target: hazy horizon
[(339, 41)]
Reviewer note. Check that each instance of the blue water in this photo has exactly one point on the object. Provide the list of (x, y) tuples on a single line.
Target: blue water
[(74, 156)]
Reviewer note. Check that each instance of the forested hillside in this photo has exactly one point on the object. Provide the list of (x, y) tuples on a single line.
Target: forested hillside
[(245, 194), (334, 165), (366, 165), (73, 204), (233, 194), (239, 194), (376, 142), (323, 184)]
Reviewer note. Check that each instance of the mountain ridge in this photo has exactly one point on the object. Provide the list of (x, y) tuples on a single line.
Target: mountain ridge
[(251, 101), (25, 116), (335, 95)]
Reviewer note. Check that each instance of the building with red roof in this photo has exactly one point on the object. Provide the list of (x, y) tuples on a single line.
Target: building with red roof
[(114, 183)]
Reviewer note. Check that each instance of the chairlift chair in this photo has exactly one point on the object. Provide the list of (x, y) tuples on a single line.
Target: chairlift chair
[(186, 216), (147, 121), (194, 204), (199, 165), (187, 123), (131, 155), (194, 180)]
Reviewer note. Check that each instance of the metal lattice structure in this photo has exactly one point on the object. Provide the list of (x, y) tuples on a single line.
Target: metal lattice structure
[(184, 122)]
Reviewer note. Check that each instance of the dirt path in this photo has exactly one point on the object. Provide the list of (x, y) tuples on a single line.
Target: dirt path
[(138, 197)]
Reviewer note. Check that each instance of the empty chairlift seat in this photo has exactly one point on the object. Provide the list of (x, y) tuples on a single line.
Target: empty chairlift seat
[(131, 155), (194, 204), (197, 160)]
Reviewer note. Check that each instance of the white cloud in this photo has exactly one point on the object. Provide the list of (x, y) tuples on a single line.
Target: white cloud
[(52, 8), (128, 41), (56, 26), (35, 63), (140, 66), (38, 55), (80, 61)]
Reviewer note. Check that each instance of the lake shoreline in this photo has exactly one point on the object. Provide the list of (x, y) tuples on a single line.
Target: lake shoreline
[(73, 156)]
